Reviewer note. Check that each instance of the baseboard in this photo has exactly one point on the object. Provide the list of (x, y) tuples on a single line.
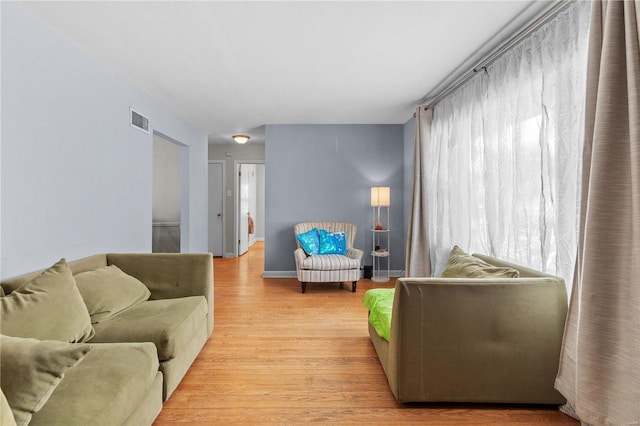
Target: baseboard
[(279, 274), (255, 240), (293, 274), (229, 255)]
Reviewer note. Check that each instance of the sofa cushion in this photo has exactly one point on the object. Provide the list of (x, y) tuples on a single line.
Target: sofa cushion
[(330, 262), (108, 291), (463, 265), (332, 242), (309, 241), (48, 307), (31, 370), (169, 323), (104, 389)]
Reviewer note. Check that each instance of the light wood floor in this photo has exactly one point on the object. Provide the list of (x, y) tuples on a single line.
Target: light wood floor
[(281, 357)]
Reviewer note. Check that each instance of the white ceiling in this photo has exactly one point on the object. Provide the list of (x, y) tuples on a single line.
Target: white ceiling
[(232, 67)]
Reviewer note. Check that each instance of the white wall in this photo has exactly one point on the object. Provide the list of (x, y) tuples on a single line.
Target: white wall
[(166, 181), (76, 178)]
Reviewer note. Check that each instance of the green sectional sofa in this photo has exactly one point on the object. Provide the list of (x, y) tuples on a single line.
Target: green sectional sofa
[(103, 340), (470, 339)]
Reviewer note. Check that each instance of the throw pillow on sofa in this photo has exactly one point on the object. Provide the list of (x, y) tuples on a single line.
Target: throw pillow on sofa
[(49, 307), (108, 291), (332, 242), (31, 370), (310, 241), (463, 265)]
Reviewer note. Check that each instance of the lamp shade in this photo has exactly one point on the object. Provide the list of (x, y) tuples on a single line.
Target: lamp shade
[(380, 196)]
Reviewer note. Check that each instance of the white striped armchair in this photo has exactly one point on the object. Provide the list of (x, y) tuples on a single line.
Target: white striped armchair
[(321, 268)]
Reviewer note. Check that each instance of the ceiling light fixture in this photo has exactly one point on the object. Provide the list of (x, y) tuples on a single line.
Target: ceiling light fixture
[(240, 138)]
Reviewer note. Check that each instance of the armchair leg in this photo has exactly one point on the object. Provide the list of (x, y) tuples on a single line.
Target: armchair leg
[(353, 286), (304, 287)]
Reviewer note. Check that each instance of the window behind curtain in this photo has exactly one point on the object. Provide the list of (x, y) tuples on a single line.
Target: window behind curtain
[(506, 151)]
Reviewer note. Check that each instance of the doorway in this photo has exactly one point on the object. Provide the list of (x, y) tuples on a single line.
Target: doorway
[(216, 220), (166, 195), (250, 196)]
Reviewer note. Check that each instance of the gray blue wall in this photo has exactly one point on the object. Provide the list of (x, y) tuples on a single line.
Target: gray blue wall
[(76, 179), (324, 173)]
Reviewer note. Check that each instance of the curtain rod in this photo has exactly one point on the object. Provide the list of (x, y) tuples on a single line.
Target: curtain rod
[(489, 59)]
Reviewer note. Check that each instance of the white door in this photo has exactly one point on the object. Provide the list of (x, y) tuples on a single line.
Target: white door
[(243, 210), (216, 222)]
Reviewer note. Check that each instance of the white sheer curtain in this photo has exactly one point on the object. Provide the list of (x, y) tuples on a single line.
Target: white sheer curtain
[(505, 154)]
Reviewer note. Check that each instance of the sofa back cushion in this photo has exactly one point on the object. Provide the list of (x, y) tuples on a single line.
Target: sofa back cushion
[(108, 291), (48, 307), (76, 266)]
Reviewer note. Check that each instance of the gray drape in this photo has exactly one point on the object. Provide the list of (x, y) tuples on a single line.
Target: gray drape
[(417, 258), (600, 366)]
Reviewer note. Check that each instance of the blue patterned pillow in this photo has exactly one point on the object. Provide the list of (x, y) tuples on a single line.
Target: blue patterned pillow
[(332, 242), (310, 241)]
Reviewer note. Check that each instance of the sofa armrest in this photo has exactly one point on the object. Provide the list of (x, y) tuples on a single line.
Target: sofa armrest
[(476, 340), (300, 256), (171, 275), (355, 253)]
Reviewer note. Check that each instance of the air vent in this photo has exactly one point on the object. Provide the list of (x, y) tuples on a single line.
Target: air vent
[(138, 121)]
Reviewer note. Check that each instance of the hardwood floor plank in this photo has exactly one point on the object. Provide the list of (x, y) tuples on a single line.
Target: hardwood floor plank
[(278, 357)]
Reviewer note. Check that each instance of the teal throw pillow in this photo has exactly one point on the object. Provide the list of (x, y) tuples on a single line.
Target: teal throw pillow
[(332, 242), (310, 241)]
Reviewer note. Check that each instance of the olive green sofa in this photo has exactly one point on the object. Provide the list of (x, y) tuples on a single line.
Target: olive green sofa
[(489, 340), (133, 359)]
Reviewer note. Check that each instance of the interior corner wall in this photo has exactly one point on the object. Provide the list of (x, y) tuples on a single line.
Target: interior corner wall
[(325, 173), (232, 152), (76, 178)]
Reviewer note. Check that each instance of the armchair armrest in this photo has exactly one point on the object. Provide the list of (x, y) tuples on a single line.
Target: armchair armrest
[(299, 256), (171, 275), (355, 253)]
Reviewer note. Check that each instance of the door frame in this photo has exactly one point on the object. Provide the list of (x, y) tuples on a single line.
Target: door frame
[(236, 199), (224, 201)]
